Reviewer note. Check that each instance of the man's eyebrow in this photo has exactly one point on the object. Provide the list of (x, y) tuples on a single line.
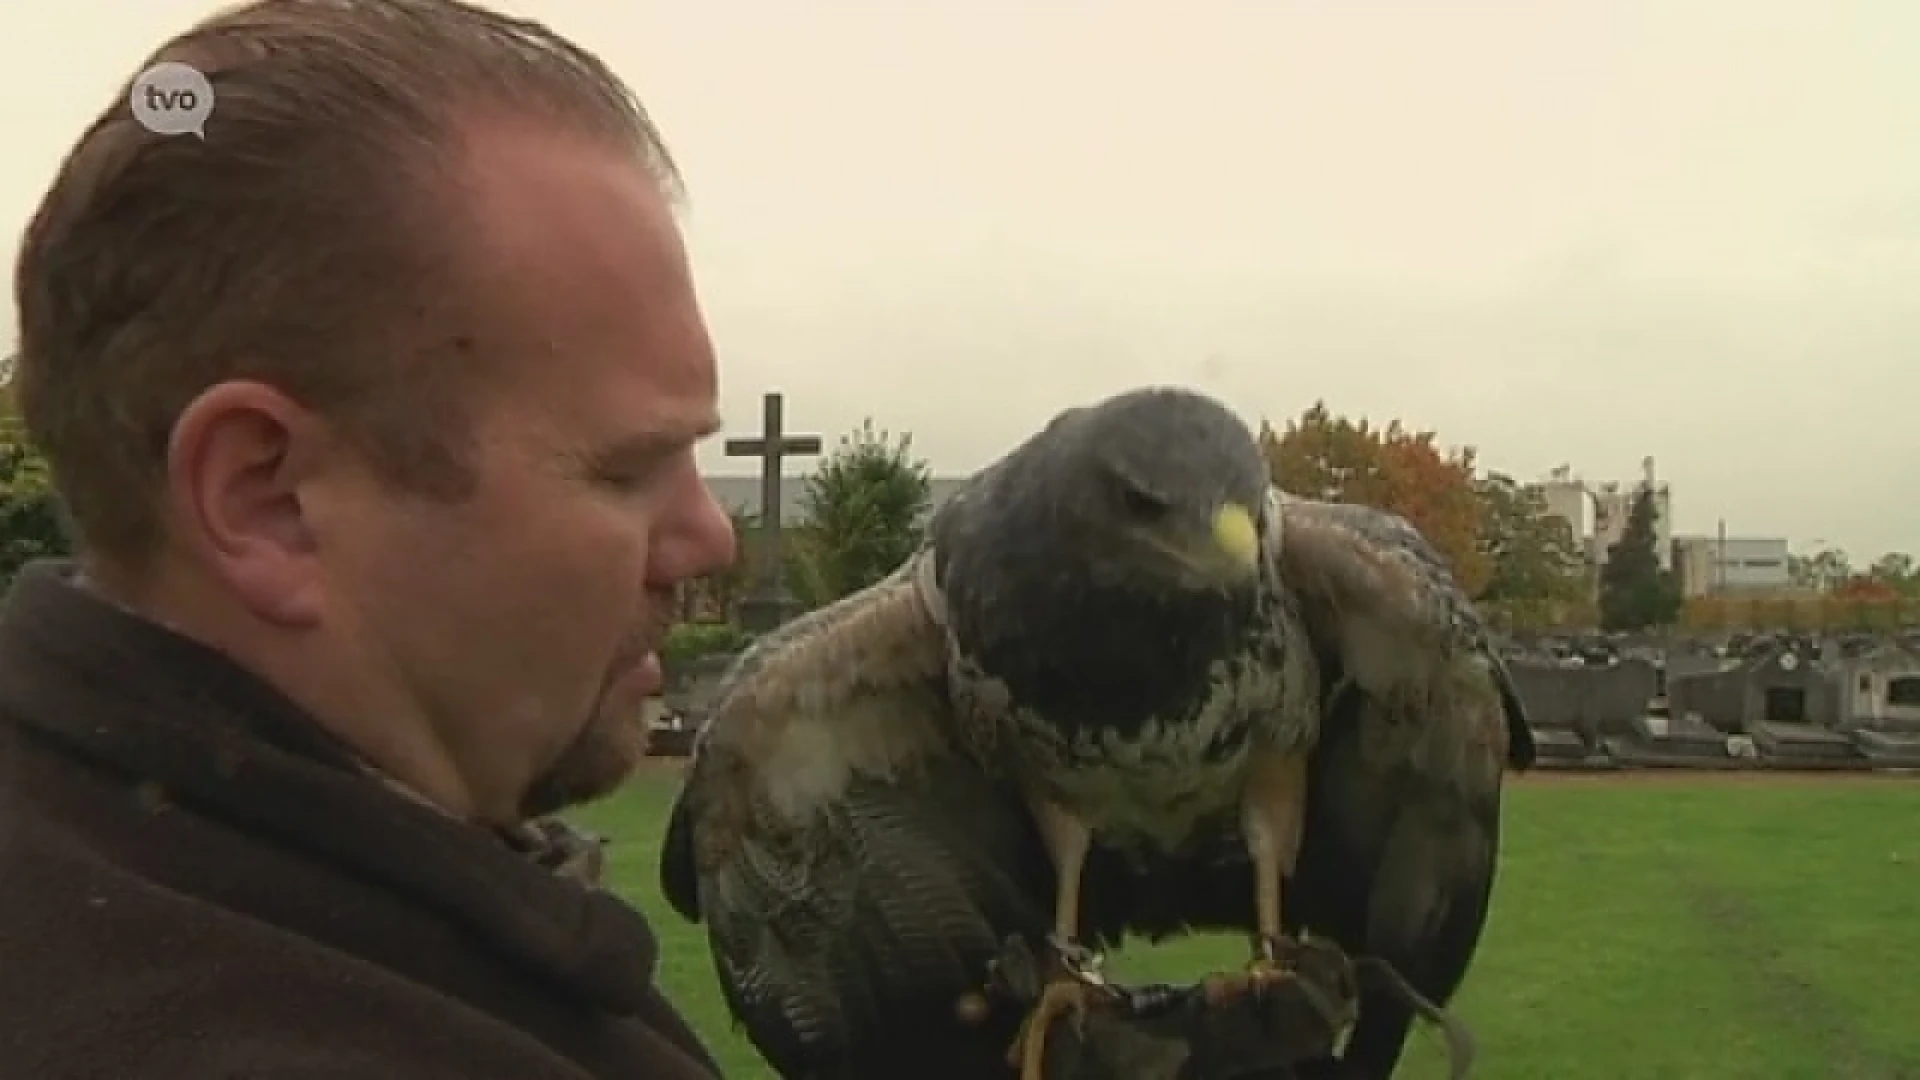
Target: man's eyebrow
[(645, 447)]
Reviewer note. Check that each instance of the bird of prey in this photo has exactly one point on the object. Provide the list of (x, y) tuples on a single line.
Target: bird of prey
[(1093, 704)]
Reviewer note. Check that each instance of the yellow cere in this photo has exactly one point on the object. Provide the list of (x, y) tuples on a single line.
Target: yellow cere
[(1234, 530)]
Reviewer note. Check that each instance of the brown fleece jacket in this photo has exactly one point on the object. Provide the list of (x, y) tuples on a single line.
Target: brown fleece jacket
[(197, 883)]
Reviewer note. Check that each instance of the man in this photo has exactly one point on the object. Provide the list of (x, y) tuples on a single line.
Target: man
[(374, 413)]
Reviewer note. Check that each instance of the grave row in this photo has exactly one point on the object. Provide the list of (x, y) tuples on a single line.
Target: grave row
[(1787, 702)]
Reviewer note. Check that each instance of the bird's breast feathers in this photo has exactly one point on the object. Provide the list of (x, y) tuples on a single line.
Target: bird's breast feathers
[(1156, 780)]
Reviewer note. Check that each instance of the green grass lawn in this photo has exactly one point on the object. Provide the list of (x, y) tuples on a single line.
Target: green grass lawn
[(1674, 928)]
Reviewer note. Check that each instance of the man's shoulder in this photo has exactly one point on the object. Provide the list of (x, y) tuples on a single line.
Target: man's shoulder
[(116, 974), (144, 924), (280, 1030), (241, 1011)]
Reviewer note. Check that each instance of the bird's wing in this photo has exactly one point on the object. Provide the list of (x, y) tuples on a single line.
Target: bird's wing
[(1388, 618), (1421, 719), (855, 867)]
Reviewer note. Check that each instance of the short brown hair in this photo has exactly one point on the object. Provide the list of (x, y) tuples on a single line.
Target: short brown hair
[(291, 245)]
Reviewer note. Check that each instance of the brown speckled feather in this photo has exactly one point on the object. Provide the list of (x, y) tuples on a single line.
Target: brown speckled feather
[(1421, 721), (853, 688), (1383, 607), (854, 866)]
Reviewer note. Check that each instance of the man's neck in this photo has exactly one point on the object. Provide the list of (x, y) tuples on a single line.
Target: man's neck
[(414, 768)]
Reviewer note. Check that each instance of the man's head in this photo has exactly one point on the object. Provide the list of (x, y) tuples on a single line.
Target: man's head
[(389, 386)]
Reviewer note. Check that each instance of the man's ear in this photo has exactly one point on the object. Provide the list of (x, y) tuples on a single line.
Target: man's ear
[(236, 460)]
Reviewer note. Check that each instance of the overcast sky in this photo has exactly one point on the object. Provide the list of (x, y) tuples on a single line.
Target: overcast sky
[(1563, 231)]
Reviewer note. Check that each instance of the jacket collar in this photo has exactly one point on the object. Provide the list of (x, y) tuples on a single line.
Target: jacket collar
[(158, 707)]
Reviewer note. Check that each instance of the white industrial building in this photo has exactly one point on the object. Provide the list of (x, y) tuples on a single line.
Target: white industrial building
[(1598, 514), (1704, 564), (1731, 564)]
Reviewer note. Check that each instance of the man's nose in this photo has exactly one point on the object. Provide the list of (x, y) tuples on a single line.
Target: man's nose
[(697, 538)]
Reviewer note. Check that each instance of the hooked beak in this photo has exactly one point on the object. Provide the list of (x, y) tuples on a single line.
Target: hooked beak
[(1237, 536)]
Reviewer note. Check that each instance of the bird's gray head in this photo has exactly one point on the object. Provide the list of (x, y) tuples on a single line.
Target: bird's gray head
[(1161, 486)]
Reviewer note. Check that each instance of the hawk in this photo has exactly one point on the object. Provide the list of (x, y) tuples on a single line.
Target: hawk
[(1126, 687)]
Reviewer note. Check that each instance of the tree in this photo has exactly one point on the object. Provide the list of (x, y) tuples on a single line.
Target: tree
[(31, 523), (1869, 601), (1709, 612), (1334, 459), (1897, 571), (1820, 571), (1634, 592), (865, 508), (1322, 456), (1537, 574)]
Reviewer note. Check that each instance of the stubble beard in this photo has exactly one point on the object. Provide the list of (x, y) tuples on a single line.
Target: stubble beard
[(610, 746), (606, 752)]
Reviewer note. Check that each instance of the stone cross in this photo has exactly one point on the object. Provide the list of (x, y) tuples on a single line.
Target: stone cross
[(767, 603)]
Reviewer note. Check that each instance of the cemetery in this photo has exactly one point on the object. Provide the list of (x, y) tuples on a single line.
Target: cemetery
[(1767, 702)]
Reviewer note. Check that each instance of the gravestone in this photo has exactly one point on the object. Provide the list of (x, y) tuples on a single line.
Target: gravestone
[(685, 700), (1563, 748), (1878, 679), (1880, 685), (690, 689), (1592, 701), (1662, 741), (1886, 749), (1686, 658), (1791, 747), (767, 602), (1781, 693), (1770, 681)]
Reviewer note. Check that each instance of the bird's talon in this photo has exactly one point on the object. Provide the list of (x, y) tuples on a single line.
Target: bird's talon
[(1075, 958), (1069, 996), (1263, 973), (1269, 949)]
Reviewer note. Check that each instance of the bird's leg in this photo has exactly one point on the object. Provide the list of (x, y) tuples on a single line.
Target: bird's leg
[(1070, 986), (1273, 815)]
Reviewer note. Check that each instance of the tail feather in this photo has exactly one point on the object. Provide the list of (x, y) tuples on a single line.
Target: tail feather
[(679, 876), (1521, 751)]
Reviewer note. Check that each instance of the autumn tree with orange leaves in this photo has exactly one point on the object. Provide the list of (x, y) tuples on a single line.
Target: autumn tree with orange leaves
[(1323, 456)]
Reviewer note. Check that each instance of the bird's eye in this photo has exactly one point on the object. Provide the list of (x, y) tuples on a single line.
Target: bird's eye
[(1143, 506)]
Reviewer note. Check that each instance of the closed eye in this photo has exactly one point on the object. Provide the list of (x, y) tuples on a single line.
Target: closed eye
[(624, 480), (1143, 506), (634, 463)]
